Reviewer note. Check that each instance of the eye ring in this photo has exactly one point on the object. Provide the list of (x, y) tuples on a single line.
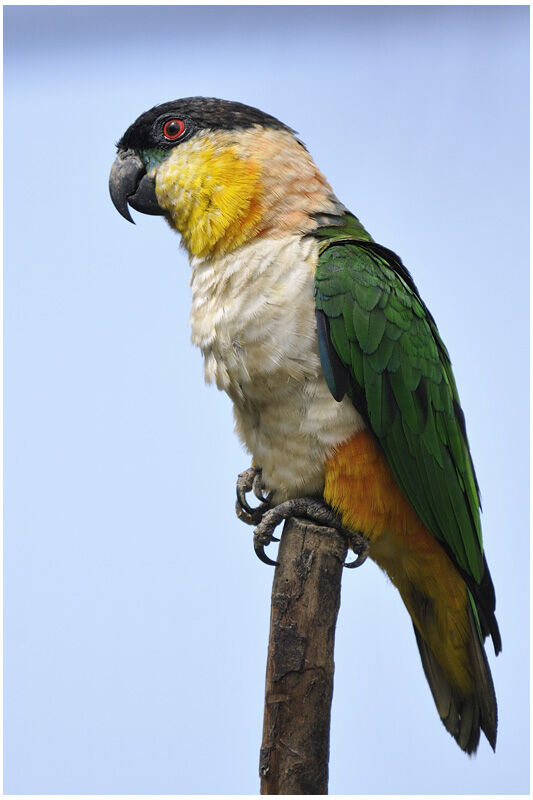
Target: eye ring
[(173, 129)]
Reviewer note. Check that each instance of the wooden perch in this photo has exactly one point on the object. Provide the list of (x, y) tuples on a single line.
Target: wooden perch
[(299, 677)]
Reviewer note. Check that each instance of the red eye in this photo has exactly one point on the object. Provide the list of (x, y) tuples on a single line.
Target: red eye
[(173, 128)]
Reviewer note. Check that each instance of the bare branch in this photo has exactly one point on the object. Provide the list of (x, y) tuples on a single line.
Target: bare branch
[(299, 679)]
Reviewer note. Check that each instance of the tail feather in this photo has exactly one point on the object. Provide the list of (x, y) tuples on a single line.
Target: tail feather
[(469, 733), (485, 599), (485, 693), (463, 717)]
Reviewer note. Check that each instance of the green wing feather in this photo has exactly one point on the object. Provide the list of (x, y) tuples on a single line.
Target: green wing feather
[(401, 381)]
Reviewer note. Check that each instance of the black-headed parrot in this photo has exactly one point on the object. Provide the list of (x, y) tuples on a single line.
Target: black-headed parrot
[(342, 387)]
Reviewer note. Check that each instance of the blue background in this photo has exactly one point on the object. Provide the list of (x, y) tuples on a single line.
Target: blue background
[(136, 614)]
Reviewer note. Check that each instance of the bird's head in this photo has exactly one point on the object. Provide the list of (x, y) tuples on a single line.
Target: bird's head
[(221, 172)]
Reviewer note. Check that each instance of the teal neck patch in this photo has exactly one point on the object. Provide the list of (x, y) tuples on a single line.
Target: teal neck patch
[(153, 157)]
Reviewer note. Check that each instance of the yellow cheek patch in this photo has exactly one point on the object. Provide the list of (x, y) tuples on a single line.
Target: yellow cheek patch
[(212, 194)]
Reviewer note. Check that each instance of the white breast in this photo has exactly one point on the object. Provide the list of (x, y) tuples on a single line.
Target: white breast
[(253, 316)]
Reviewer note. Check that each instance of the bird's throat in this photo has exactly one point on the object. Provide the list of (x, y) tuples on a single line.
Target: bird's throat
[(213, 195)]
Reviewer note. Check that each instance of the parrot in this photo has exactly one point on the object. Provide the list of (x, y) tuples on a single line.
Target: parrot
[(342, 388)]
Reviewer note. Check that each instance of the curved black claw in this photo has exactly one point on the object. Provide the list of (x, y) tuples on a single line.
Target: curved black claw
[(359, 544), (262, 556), (361, 558), (250, 481)]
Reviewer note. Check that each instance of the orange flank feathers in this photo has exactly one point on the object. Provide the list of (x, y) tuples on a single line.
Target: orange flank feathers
[(361, 487)]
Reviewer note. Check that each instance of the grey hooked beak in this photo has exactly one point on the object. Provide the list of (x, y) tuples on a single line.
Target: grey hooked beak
[(129, 185)]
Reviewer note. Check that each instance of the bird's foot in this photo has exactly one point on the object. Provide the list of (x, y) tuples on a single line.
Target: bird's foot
[(315, 510), (251, 481), (266, 519)]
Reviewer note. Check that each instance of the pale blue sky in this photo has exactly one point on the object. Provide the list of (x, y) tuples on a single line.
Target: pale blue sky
[(136, 613)]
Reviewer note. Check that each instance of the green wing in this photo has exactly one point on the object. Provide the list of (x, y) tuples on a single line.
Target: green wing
[(379, 343)]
